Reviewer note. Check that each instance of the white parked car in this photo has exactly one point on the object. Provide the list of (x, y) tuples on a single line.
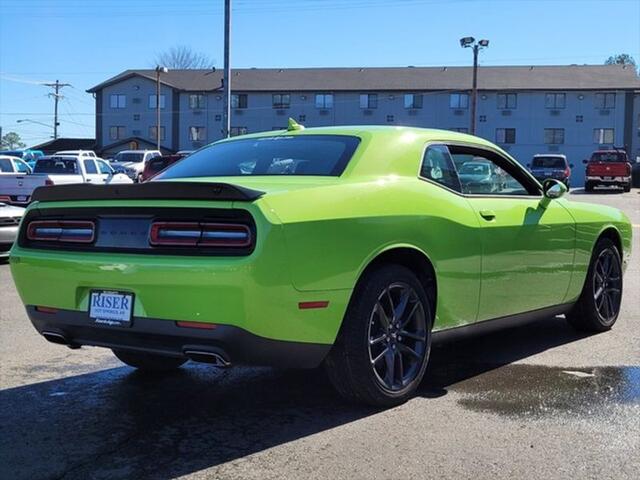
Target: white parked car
[(77, 153), (57, 170), (132, 162), (10, 217), (9, 164)]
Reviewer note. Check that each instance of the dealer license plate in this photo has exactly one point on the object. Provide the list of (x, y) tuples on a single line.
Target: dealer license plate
[(112, 309), (608, 178), (22, 198)]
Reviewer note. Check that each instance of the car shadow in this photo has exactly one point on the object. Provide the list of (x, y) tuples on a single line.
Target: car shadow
[(119, 423)]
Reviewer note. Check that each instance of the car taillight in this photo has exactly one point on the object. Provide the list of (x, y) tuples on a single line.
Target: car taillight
[(567, 172), (74, 231), (200, 234), (628, 165)]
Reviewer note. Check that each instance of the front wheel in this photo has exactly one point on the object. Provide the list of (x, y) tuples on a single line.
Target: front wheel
[(149, 362), (598, 306), (383, 347)]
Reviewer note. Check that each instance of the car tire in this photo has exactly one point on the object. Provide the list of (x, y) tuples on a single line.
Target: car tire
[(149, 362), (588, 187), (598, 306), (626, 188), (378, 365)]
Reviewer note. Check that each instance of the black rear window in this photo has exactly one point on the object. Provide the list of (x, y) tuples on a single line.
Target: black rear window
[(279, 155), (56, 166), (548, 162), (609, 157)]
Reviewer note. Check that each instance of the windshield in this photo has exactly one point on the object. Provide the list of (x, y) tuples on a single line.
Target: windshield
[(548, 162), (609, 157), (6, 165), (474, 169), (280, 155), (128, 157), (57, 166)]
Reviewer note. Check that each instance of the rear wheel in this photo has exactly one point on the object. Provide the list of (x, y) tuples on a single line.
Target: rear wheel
[(149, 362), (383, 347), (598, 307), (627, 187), (588, 187)]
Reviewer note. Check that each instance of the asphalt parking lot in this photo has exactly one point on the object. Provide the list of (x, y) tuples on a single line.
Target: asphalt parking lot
[(539, 401)]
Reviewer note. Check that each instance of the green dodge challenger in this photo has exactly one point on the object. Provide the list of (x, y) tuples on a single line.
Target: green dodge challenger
[(347, 247)]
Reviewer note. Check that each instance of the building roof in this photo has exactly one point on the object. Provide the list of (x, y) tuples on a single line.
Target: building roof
[(60, 144), (571, 77)]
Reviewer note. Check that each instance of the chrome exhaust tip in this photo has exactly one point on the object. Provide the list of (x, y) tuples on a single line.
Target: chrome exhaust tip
[(59, 339), (203, 356)]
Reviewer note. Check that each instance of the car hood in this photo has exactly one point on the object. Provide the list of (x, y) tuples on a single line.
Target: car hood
[(474, 178), (10, 211), (125, 164)]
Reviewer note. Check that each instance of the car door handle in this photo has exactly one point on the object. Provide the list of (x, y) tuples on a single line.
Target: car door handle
[(488, 214)]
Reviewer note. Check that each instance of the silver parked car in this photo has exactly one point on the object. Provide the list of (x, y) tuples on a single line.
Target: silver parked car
[(10, 217)]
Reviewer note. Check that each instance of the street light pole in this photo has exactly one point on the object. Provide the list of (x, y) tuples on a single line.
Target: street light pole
[(470, 42), (226, 125), (159, 70)]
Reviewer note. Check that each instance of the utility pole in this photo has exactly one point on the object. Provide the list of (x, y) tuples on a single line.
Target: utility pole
[(159, 69), (56, 97), (470, 42), (226, 116)]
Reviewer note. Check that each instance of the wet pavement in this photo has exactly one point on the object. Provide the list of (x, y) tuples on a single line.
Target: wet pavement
[(538, 401)]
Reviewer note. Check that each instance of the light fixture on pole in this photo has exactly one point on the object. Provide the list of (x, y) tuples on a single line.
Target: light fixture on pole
[(159, 70), (28, 120), (470, 42)]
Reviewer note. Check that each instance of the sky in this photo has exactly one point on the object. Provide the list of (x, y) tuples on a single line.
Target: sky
[(84, 42)]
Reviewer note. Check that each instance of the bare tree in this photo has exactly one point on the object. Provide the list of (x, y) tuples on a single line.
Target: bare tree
[(182, 57)]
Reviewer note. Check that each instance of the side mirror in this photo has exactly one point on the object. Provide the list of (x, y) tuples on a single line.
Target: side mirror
[(552, 190)]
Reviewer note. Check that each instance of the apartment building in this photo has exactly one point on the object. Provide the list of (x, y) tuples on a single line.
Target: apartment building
[(526, 110)]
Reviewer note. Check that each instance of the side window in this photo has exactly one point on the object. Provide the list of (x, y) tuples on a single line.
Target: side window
[(90, 166), (22, 167), (437, 166), (483, 172), (104, 168)]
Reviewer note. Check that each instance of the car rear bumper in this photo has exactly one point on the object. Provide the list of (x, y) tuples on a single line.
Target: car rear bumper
[(233, 344), (608, 180)]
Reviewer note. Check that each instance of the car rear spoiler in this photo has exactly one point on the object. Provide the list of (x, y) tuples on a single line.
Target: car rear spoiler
[(147, 191)]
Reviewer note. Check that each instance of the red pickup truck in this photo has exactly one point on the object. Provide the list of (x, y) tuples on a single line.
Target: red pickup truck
[(608, 167)]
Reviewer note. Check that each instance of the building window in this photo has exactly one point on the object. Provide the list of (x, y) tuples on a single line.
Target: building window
[(196, 134), (554, 136), (153, 133), (390, 118), (116, 132), (302, 118), (196, 101), (324, 100), (505, 135), (413, 100), (152, 101), (459, 100), (555, 100), (482, 118), (605, 100), (460, 129), (235, 131), (507, 101), (136, 117), (368, 100), (579, 118), (118, 101), (281, 100), (603, 136), (239, 100)]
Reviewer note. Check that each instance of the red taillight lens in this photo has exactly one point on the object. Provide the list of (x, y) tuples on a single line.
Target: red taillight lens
[(192, 234), (567, 172), (73, 231)]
